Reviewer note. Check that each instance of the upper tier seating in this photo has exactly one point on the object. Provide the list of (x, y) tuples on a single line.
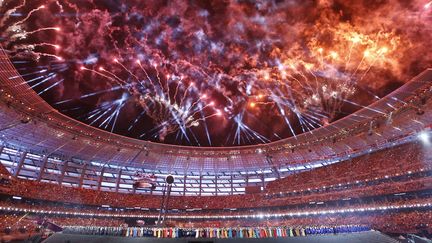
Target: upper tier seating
[(397, 160), (391, 162)]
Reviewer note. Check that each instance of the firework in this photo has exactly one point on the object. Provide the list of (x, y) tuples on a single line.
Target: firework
[(210, 74)]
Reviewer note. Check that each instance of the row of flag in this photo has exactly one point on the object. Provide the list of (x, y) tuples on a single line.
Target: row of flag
[(243, 232)]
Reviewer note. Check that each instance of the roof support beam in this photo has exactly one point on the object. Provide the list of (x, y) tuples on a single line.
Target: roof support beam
[(1, 151), (232, 185), (133, 160), (100, 178), (275, 170), (184, 185), (200, 185), (216, 184), (63, 172), (42, 167), (81, 180), (20, 164), (14, 124), (119, 174), (134, 188)]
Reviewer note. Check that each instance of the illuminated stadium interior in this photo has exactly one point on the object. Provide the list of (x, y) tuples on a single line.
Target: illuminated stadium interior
[(309, 118)]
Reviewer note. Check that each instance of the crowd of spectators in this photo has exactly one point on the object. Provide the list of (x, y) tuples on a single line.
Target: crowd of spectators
[(3, 170), (392, 162), (386, 180), (383, 170), (43, 191), (43, 207), (16, 224)]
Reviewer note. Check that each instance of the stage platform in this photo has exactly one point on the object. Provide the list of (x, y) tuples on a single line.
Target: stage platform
[(363, 237)]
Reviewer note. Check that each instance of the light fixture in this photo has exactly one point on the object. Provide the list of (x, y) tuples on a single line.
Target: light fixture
[(424, 137)]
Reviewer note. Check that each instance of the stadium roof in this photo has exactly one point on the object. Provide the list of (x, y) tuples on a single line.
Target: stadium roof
[(30, 123)]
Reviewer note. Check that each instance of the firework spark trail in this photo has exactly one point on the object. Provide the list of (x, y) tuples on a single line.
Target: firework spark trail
[(309, 121), (200, 109), (312, 119), (51, 86), (76, 8), (126, 69), (381, 53), (287, 121), (43, 29), (186, 91), (60, 6), (195, 103), (91, 94), (107, 111), (11, 11), (29, 15), (305, 79), (205, 125), (153, 131), (136, 120), (158, 78), (48, 78), (147, 76), (245, 129), (167, 78), (177, 87), (116, 114), (316, 80), (98, 73), (48, 55), (29, 74), (365, 107), (95, 112), (237, 135), (349, 55), (116, 78), (31, 80), (34, 45)]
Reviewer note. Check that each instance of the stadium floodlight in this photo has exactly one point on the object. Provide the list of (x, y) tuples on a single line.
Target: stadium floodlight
[(424, 137)]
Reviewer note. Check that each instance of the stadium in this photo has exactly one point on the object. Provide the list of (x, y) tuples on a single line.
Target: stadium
[(215, 121)]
